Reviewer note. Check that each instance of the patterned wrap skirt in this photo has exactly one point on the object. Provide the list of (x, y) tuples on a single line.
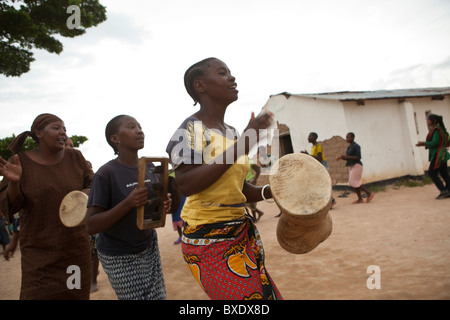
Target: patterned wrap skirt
[(227, 260), (136, 276)]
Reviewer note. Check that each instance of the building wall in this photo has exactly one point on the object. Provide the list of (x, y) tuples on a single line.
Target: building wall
[(387, 131), (380, 130)]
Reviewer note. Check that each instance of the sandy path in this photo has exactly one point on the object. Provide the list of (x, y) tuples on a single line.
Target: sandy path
[(405, 232)]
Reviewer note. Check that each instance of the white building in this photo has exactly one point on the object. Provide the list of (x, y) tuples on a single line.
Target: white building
[(387, 125)]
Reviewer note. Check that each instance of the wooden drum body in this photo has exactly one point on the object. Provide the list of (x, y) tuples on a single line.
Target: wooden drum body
[(301, 187)]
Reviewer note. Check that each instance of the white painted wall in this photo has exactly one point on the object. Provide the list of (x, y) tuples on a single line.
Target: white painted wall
[(385, 129)]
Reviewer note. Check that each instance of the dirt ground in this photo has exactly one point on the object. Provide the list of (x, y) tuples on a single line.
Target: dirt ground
[(404, 231)]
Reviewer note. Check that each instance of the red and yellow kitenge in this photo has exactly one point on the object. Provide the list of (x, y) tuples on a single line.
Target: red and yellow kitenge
[(220, 244), (227, 260)]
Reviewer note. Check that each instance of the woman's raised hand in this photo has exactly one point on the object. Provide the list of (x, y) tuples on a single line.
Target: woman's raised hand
[(250, 136), (263, 121), (11, 171)]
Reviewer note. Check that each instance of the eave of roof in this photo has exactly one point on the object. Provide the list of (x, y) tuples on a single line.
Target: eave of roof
[(376, 95)]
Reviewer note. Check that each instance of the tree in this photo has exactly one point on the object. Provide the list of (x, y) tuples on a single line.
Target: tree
[(30, 144), (28, 24)]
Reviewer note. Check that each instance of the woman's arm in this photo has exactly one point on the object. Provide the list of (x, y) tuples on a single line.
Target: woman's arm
[(345, 157), (99, 219), (434, 142), (192, 179), (253, 193)]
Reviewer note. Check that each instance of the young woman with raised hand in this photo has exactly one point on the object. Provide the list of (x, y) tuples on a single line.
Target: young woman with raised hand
[(220, 244)]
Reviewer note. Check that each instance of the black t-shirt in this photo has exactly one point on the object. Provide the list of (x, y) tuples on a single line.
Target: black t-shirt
[(353, 150), (112, 183)]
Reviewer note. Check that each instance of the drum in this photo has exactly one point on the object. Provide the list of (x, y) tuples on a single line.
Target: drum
[(73, 209), (301, 187)]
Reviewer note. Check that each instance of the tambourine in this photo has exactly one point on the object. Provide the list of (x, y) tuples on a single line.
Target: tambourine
[(73, 209)]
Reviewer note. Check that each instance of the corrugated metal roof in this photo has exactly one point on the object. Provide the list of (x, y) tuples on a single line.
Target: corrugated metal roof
[(380, 94)]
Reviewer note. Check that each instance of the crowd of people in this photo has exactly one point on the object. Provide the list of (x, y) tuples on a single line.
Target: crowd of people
[(219, 240)]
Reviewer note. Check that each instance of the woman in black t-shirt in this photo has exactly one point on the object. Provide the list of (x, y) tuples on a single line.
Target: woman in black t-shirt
[(129, 256)]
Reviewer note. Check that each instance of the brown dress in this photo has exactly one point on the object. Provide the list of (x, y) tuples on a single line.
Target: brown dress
[(48, 248)]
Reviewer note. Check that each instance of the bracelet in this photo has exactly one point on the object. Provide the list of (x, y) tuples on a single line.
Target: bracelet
[(262, 194)]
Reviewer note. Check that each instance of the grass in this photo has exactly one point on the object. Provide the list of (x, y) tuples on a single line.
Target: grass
[(409, 182)]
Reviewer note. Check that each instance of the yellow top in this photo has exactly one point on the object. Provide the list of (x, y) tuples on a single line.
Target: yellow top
[(223, 200), (316, 149)]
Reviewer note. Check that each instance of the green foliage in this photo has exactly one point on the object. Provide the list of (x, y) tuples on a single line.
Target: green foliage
[(30, 144), (78, 140), (28, 24)]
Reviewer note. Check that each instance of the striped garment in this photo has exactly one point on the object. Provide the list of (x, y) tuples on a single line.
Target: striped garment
[(136, 276)]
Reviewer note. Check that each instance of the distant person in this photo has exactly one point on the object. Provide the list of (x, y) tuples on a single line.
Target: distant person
[(316, 150), (14, 240), (318, 154), (437, 143), (252, 177), (4, 235), (177, 222), (178, 200), (355, 166)]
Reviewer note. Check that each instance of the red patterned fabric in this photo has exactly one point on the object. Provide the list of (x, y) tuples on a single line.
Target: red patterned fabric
[(227, 260)]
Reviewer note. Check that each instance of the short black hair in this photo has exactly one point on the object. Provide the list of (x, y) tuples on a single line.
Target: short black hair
[(112, 128), (191, 74)]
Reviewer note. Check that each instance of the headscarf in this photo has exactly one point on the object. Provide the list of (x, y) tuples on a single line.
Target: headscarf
[(39, 123)]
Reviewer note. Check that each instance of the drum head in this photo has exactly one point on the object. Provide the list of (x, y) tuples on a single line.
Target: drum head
[(73, 208), (300, 185)]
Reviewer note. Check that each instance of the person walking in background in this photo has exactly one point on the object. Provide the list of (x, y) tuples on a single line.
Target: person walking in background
[(437, 142), (14, 239), (4, 235), (178, 200), (34, 184), (252, 177), (177, 222), (316, 150), (355, 166), (318, 154)]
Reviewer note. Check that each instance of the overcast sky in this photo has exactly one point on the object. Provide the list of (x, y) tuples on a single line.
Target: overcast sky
[(134, 62)]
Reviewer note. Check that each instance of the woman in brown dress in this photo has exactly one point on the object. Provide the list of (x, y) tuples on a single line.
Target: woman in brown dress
[(55, 259)]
